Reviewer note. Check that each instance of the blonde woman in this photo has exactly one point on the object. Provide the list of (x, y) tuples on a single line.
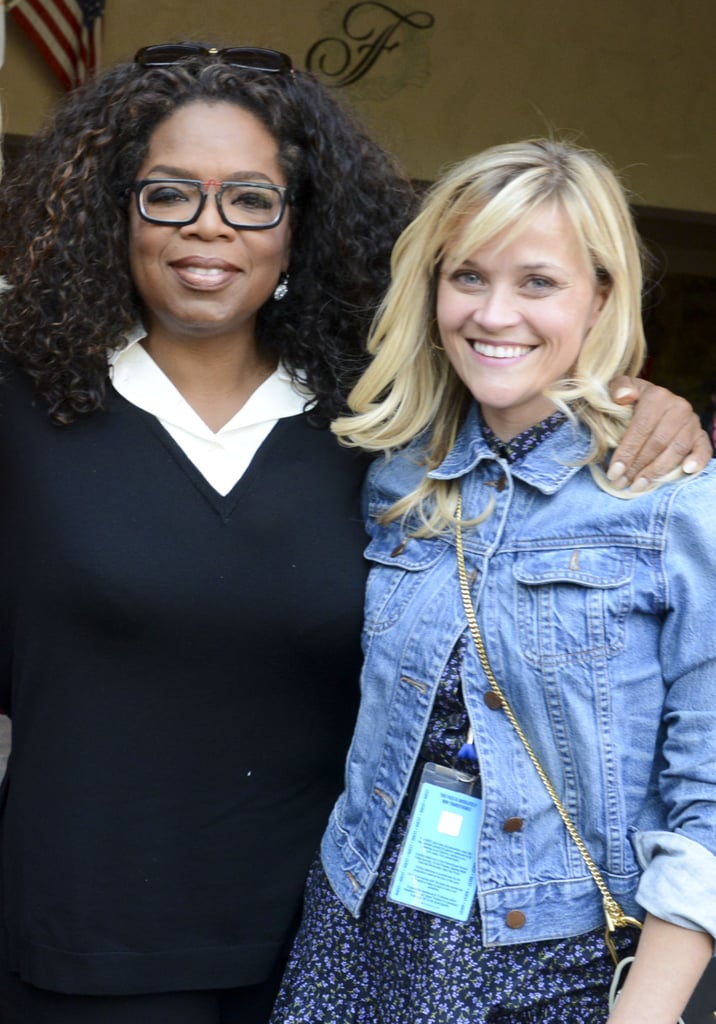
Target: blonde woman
[(450, 889)]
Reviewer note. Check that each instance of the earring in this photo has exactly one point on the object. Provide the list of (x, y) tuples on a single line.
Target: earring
[(281, 289)]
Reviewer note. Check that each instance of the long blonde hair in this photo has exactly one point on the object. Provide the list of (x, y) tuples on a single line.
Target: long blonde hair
[(410, 387)]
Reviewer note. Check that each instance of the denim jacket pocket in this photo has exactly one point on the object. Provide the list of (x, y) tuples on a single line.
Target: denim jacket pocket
[(397, 571), (572, 602)]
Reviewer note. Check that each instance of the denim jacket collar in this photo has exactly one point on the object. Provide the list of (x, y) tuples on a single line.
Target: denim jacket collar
[(564, 451)]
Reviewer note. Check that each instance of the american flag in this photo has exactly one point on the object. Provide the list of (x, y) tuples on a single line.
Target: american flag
[(67, 32)]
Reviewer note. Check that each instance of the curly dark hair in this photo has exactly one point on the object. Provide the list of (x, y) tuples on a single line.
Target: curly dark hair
[(64, 244)]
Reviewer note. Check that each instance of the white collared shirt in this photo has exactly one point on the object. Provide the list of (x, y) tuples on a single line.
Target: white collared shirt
[(221, 457)]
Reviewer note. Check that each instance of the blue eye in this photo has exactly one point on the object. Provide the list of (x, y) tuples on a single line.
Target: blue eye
[(538, 283), (466, 278)]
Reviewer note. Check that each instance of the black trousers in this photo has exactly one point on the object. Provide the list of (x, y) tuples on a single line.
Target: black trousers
[(24, 1004)]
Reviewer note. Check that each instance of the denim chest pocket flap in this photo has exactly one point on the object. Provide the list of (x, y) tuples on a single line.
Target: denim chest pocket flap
[(584, 566), (398, 564), (572, 602)]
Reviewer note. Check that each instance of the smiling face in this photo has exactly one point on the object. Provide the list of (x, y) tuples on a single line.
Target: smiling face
[(207, 279), (513, 317)]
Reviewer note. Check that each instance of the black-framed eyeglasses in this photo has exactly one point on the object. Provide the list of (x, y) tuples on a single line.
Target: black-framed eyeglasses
[(250, 58), (249, 205)]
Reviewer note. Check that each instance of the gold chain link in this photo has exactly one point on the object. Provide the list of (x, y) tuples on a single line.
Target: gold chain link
[(616, 918)]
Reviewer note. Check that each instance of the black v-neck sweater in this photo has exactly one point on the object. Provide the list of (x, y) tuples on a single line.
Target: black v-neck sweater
[(182, 672)]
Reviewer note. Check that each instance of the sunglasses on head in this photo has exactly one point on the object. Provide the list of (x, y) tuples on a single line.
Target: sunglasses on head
[(249, 58)]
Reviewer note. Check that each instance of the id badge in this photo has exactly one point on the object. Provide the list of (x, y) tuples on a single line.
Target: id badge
[(436, 865)]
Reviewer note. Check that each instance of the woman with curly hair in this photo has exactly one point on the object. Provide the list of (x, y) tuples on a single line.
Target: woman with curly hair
[(194, 248)]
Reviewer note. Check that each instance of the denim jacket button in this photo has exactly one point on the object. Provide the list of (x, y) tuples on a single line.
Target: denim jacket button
[(513, 825), (493, 700), (515, 919)]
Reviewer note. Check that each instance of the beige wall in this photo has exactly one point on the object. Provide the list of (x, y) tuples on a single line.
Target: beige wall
[(635, 79)]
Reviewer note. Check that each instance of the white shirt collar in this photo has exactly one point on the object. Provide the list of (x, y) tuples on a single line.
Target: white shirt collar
[(137, 378), (222, 457)]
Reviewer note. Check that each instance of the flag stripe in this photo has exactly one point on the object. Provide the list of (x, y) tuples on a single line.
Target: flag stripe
[(69, 41), (60, 63), (54, 31)]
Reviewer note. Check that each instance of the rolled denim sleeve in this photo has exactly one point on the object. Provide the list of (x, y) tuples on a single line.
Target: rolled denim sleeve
[(679, 880)]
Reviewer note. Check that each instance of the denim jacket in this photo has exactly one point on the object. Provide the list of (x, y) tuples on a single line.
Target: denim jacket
[(595, 612)]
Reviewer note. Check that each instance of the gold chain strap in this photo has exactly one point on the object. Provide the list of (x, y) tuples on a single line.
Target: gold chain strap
[(616, 918)]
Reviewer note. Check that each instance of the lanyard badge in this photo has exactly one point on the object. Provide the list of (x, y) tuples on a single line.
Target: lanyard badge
[(436, 865)]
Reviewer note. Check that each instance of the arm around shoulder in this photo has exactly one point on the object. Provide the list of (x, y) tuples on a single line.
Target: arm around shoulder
[(664, 434)]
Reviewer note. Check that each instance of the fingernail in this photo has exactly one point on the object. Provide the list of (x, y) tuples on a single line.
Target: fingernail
[(621, 484), (622, 393), (690, 466), (616, 469), (640, 484)]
